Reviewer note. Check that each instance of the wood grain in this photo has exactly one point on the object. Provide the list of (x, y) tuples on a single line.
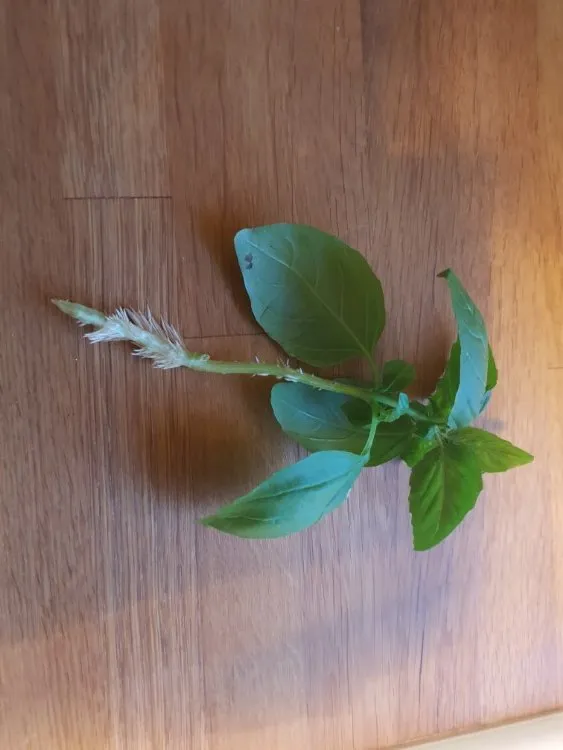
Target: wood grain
[(269, 131), (109, 77), (426, 134)]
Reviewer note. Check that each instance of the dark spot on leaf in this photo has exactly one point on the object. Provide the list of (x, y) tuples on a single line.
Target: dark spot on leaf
[(248, 260)]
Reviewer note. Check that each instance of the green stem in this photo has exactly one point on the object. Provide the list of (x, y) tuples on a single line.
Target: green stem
[(412, 411), (371, 437), (297, 376), (155, 343), (280, 372)]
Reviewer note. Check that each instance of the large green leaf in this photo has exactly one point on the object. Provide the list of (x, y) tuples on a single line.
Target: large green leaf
[(319, 421), (316, 419), (310, 292), (444, 487), (492, 454), (474, 355), (291, 499)]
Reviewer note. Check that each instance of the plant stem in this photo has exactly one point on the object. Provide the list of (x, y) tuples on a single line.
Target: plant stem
[(413, 412), (297, 376), (162, 344), (281, 373), (371, 437)]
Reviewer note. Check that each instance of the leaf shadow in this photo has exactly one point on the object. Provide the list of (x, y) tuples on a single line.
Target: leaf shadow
[(194, 447), (217, 233), (217, 229), (348, 636)]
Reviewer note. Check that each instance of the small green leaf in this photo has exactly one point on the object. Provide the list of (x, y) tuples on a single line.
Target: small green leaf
[(422, 440), (316, 419), (474, 351), (492, 454), (486, 399), (444, 487), (391, 440), (402, 407), (291, 499), (319, 421), (442, 400), (492, 379), (357, 412), (492, 372), (310, 292), (396, 376)]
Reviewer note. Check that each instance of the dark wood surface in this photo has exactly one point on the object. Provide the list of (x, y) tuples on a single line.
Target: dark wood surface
[(135, 137)]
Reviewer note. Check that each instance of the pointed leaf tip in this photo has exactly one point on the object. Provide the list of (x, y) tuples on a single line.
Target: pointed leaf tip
[(291, 499), (473, 355)]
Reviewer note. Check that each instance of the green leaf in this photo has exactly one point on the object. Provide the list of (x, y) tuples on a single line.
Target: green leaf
[(474, 351), (492, 372), (486, 399), (357, 412), (402, 407), (422, 440), (319, 421), (492, 454), (391, 440), (310, 292), (492, 379), (444, 487), (316, 419), (291, 499), (442, 400), (396, 376)]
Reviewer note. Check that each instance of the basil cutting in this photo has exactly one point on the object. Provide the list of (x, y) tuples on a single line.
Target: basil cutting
[(320, 301)]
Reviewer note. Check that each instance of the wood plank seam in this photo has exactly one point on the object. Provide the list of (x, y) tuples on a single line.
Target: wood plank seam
[(116, 197)]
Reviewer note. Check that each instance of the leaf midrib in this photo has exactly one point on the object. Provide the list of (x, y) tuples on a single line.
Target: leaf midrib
[(314, 293), (275, 520), (303, 488), (346, 428)]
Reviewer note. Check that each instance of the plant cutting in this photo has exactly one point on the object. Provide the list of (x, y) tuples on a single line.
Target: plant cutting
[(320, 301)]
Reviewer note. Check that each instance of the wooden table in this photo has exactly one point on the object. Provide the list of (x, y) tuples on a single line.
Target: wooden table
[(136, 137)]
